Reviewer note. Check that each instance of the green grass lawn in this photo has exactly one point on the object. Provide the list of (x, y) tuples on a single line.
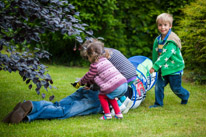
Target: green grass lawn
[(172, 120)]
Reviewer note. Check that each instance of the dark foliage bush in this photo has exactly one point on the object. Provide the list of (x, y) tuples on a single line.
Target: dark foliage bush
[(21, 23)]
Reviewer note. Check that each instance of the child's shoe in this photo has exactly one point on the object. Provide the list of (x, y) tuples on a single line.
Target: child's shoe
[(126, 101), (129, 104), (118, 115), (106, 116), (184, 102), (122, 108), (154, 106)]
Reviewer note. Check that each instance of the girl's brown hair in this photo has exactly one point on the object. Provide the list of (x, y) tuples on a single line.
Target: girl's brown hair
[(94, 49)]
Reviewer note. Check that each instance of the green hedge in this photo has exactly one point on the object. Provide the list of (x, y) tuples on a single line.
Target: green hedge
[(128, 26), (192, 31)]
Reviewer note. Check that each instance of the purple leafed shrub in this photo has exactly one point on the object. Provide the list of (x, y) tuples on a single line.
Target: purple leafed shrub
[(21, 22)]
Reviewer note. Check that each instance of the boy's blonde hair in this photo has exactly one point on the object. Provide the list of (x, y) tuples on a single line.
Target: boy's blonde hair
[(165, 17)]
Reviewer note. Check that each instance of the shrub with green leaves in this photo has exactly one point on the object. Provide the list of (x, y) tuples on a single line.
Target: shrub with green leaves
[(128, 26), (192, 31)]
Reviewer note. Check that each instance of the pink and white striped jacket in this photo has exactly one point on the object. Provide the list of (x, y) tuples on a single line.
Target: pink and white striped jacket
[(105, 75)]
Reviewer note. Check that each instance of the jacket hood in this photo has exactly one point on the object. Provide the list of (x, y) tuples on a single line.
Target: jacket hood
[(175, 38)]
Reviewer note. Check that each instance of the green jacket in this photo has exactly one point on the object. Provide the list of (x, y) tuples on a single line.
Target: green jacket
[(171, 60)]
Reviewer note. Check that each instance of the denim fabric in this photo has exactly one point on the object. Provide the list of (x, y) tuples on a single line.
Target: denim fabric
[(175, 82), (118, 92), (81, 102)]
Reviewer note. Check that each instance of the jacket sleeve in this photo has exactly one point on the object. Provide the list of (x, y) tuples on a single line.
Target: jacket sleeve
[(89, 76), (154, 51), (168, 50)]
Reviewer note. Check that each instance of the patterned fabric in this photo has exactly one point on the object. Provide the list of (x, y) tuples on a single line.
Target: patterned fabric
[(160, 47), (171, 60), (105, 75), (117, 59), (162, 42)]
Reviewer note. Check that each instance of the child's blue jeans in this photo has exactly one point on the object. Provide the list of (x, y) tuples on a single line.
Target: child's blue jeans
[(175, 82), (118, 92), (81, 102)]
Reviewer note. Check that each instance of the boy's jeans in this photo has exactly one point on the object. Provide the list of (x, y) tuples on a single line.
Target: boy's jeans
[(81, 102), (175, 82)]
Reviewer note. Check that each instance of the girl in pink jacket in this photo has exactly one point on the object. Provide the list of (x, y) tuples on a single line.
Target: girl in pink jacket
[(102, 72)]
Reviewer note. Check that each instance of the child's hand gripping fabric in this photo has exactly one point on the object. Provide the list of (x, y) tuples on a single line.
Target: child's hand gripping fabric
[(76, 84), (151, 70)]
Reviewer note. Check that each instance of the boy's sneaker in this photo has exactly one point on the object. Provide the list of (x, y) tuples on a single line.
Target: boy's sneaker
[(118, 115), (122, 108), (154, 106), (184, 102), (128, 103), (106, 116)]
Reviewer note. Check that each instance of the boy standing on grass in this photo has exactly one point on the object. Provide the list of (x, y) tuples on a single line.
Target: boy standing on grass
[(167, 61)]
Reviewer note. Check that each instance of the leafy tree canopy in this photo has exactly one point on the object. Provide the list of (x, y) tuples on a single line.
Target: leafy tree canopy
[(22, 22)]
